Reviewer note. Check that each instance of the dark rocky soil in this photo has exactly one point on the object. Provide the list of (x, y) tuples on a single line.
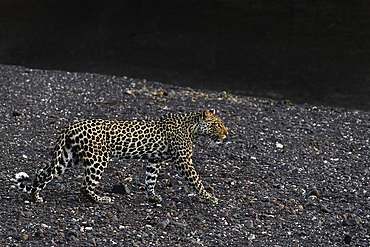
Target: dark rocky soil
[(287, 175)]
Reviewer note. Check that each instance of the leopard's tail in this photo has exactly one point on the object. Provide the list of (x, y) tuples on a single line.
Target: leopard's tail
[(19, 182)]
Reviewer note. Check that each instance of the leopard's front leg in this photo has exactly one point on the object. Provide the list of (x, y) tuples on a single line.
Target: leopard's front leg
[(152, 170), (184, 164), (94, 168)]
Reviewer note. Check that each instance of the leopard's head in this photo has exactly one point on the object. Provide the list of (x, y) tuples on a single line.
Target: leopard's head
[(212, 126)]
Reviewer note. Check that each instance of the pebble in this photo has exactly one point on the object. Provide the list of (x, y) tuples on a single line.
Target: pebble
[(249, 224), (352, 221), (314, 192), (16, 113), (163, 224), (109, 214), (119, 173), (178, 224), (39, 233), (347, 239), (186, 188), (121, 189), (140, 199), (325, 209), (169, 204), (279, 145), (251, 236), (87, 223), (72, 233)]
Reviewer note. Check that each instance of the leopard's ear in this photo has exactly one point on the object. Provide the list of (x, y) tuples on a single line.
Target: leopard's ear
[(205, 114)]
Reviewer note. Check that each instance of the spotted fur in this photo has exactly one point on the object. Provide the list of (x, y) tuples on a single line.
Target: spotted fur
[(92, 142)]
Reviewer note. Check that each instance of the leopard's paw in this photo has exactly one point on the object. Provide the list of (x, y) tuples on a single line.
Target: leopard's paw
[(105, 199), (155, 198), (210, 199), (37, 198)]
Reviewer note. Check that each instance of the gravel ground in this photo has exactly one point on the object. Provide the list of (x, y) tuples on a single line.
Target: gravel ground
[(287, 175)]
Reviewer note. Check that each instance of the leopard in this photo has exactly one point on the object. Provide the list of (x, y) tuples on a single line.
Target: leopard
[(92, 142)]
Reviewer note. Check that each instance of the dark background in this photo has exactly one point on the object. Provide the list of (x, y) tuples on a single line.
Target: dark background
[(314, 51)]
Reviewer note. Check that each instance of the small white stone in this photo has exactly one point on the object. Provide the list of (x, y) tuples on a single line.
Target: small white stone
[(251, 236), (279, 145)]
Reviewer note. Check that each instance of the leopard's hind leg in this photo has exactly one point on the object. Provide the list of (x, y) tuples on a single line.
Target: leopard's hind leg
[(63, 158), (42, 177)]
